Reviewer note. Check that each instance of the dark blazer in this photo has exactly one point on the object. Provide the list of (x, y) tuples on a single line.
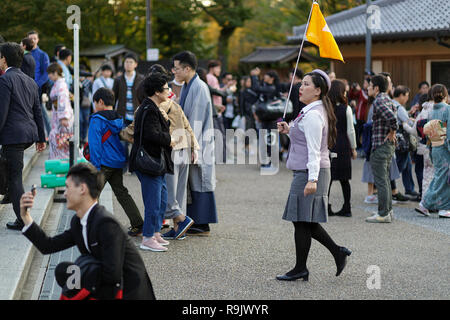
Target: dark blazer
[(109, 244), (28, 65), (20, 113), (120, 93), (156, 134)]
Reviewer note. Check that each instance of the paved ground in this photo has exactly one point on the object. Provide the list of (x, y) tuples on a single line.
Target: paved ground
[(251, 244)]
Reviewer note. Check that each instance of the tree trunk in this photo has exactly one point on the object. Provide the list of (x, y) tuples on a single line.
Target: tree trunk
[(224, 39)]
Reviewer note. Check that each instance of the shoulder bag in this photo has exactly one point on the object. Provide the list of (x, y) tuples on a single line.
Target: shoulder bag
[(144, 162)]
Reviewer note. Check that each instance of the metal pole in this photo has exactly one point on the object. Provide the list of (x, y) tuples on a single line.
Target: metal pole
[(368, 67), (76, 85), (298, 60), (148, 27)]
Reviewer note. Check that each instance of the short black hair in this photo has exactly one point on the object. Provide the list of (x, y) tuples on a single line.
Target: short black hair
[(58, 48), (399, 90), (86, 173), (13, 53), (157, 68), (214, 63), (380, 81), (298, 73), (27, 43), (130, 55), (64, 53), (225, 74), (106, 95), (386, 74), (32, 32), (106, 67), (422, 83), (155, 82), (186, 58)]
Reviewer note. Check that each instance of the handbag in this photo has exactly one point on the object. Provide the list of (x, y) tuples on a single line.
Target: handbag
[(273, 109), (144, 162)]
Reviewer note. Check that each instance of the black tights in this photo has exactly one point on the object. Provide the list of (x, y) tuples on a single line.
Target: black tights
[(304, 231), (346, 190)]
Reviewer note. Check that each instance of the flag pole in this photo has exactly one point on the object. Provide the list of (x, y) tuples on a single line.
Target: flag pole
[(298, 60)]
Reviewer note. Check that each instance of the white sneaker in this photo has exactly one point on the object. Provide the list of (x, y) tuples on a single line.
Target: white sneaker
[(379, 219), (373, 199), (152, 245), (444, 213), (422, 210)]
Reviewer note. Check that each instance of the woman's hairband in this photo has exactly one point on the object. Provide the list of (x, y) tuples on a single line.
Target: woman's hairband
[(324, 76)]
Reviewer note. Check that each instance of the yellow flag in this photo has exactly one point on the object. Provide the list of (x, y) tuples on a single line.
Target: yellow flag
[(319, 34)]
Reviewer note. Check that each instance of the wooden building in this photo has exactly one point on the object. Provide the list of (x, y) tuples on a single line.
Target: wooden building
[(410, 40)]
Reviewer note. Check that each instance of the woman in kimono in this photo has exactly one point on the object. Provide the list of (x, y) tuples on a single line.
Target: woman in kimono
[(437, 130), (62, 114)]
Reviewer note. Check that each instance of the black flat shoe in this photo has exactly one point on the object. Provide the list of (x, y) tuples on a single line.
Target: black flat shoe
[(16, 225), (341, 261), (344, 213), (301, 275)]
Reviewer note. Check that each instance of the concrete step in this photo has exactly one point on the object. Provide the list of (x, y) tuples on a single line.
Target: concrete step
[(16, 251)]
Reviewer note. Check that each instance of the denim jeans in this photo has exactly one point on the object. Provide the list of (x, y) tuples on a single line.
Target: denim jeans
[(154, 195), (84, 122), (380, 160), (405, 167)]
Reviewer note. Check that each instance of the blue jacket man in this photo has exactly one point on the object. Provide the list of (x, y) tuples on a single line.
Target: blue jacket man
[(107, 153)]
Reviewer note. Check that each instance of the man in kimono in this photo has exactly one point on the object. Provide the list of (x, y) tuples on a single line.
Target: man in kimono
[(195, 100)]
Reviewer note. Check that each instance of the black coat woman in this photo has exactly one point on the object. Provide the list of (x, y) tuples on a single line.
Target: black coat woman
[(345, 147), (311, 134), (151, 130)]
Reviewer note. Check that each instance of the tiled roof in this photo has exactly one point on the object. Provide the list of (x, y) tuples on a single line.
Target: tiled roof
[(104, 50), (399, 19), (279, 54)]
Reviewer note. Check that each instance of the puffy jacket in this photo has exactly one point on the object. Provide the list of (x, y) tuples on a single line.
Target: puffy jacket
[(110, 153)]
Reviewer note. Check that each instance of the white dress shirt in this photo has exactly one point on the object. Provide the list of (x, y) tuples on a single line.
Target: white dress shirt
[(311, 125), (83, 223)]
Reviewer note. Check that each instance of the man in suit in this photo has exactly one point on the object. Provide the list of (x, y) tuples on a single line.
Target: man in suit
[(21, 122), (95, 232)]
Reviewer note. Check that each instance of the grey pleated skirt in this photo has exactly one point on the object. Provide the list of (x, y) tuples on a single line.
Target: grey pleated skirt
[(313, 208)]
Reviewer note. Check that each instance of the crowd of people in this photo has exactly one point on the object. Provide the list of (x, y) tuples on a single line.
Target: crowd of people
[(156, 125)]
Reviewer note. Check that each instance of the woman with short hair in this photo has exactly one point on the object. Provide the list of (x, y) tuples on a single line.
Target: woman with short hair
[(153, 128)]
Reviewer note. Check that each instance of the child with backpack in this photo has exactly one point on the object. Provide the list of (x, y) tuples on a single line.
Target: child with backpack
[(107, 154)]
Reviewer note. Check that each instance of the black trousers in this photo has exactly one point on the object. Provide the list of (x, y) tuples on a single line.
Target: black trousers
[(13, 154)]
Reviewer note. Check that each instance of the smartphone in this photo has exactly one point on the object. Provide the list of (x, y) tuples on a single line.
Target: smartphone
[(33, 189)]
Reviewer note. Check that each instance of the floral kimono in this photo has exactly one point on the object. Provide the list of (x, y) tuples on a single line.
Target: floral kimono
[(61, 109)]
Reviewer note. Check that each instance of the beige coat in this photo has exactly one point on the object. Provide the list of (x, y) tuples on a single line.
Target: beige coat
[(180, 129), (181, 139)]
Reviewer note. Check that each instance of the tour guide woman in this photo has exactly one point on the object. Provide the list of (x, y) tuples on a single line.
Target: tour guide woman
[(312, 133)]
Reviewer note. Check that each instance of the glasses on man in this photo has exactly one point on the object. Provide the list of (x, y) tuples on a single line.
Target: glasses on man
[(176, 69)]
